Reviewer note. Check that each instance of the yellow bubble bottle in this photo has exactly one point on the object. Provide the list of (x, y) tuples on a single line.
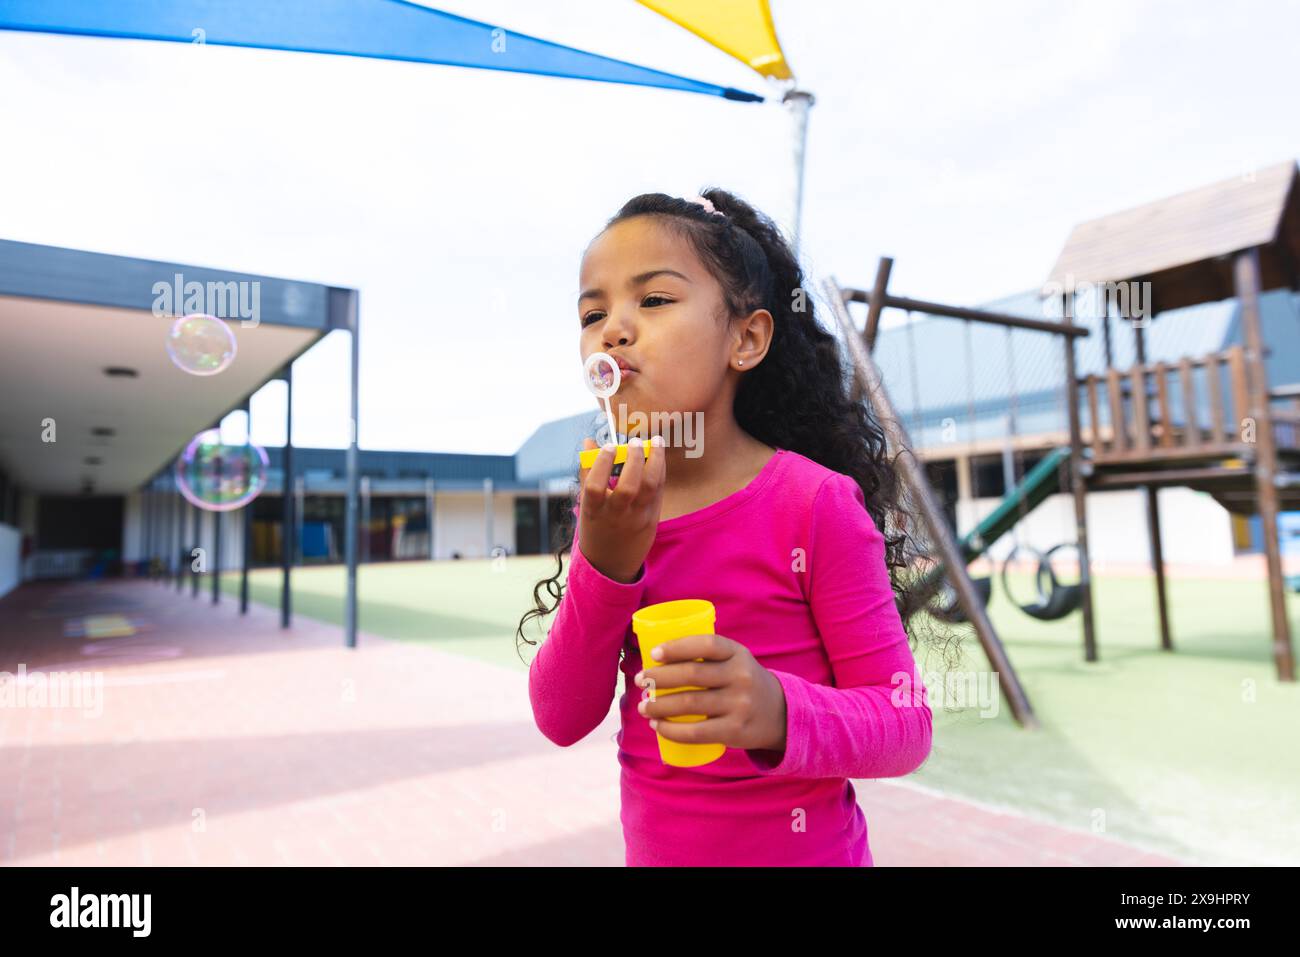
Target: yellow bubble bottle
[(587, 457), (656, 624)]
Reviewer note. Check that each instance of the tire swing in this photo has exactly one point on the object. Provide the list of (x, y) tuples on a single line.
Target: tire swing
[(1055, 600)]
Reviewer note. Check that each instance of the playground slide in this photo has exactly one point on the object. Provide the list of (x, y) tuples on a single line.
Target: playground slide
[(1038, 483)]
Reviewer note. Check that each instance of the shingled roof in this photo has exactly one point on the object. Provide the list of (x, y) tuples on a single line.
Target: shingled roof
[(1183, 244)]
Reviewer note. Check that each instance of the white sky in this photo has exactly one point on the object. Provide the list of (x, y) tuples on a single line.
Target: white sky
[(962, 139)]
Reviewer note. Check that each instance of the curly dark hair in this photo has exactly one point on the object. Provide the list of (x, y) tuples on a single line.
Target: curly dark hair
[(799, 397)]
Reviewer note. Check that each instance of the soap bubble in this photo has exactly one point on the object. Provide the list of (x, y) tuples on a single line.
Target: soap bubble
[(201, 344), (603, 374), (219, 477)]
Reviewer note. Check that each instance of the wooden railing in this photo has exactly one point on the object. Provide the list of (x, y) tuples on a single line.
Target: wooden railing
[(1157, 411)]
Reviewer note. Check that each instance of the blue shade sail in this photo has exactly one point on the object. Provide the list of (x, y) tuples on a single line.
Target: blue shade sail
[(384, 29)]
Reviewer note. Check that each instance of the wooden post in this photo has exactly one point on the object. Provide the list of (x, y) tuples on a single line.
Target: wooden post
[(1214, 388), (1164, 414), (1158, 564), (875, 306), (1118, 425), (1078, 481), (1191, 415), (1141, 429), (1094, 417), (914, 477), (1141, 413), (1247, 281)]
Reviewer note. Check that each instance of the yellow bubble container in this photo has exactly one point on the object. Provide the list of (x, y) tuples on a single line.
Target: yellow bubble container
[(587, 457), (656, 624)]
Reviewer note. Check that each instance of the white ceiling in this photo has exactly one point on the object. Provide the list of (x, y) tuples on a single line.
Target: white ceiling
[(52, 357)]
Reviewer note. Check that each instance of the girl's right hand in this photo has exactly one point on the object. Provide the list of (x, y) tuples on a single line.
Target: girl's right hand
[(616, 527)]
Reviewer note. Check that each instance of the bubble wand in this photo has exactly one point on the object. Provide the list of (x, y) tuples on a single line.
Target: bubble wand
[(603, 377)]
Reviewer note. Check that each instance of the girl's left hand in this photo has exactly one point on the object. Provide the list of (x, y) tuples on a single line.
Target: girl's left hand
[(743, 702)]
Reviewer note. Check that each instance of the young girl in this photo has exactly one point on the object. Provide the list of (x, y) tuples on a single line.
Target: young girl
[(778, 516)]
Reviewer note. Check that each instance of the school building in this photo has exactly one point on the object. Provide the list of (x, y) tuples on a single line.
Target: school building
[(96, 416)]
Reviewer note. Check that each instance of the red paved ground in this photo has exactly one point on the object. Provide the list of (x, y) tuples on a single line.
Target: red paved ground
[(229, 741)]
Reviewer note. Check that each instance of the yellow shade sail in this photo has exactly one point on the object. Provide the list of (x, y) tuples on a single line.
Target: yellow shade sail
[(742, 28)]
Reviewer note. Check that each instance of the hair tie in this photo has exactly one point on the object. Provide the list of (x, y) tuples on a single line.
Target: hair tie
[(707, 205)]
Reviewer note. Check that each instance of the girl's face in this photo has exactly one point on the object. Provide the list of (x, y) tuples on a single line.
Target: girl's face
[(646, 298)]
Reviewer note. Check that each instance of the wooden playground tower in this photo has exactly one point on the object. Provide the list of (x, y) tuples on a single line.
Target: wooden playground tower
[(1211, 422)]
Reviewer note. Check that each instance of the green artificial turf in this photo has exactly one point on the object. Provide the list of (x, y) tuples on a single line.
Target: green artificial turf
[(1192, 753)]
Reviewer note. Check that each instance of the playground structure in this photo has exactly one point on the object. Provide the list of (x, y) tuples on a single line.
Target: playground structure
[(953, 555), (1211, 422)]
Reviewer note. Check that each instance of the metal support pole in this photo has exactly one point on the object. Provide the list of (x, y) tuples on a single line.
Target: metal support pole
[(365, 518), (164, 544), (487, 516), (216, 557), (156, 548), (350, 600), (286, 504), (196, 544), (146, 505), (544, 518), (429, 505), (247, 530), (1247, 281), (246, 523), (1105, 332), (914, 476), (800, 102), (156, 535), (165, 513), (179, 549), (299, 499)]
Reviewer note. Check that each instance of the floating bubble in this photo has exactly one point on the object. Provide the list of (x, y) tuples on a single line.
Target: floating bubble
[(201, 344), (220, 477)]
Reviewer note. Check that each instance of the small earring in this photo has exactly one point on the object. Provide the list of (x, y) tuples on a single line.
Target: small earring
[(740, 362)]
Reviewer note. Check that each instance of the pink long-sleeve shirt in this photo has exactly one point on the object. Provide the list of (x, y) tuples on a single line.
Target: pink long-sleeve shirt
[(796, 570)]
